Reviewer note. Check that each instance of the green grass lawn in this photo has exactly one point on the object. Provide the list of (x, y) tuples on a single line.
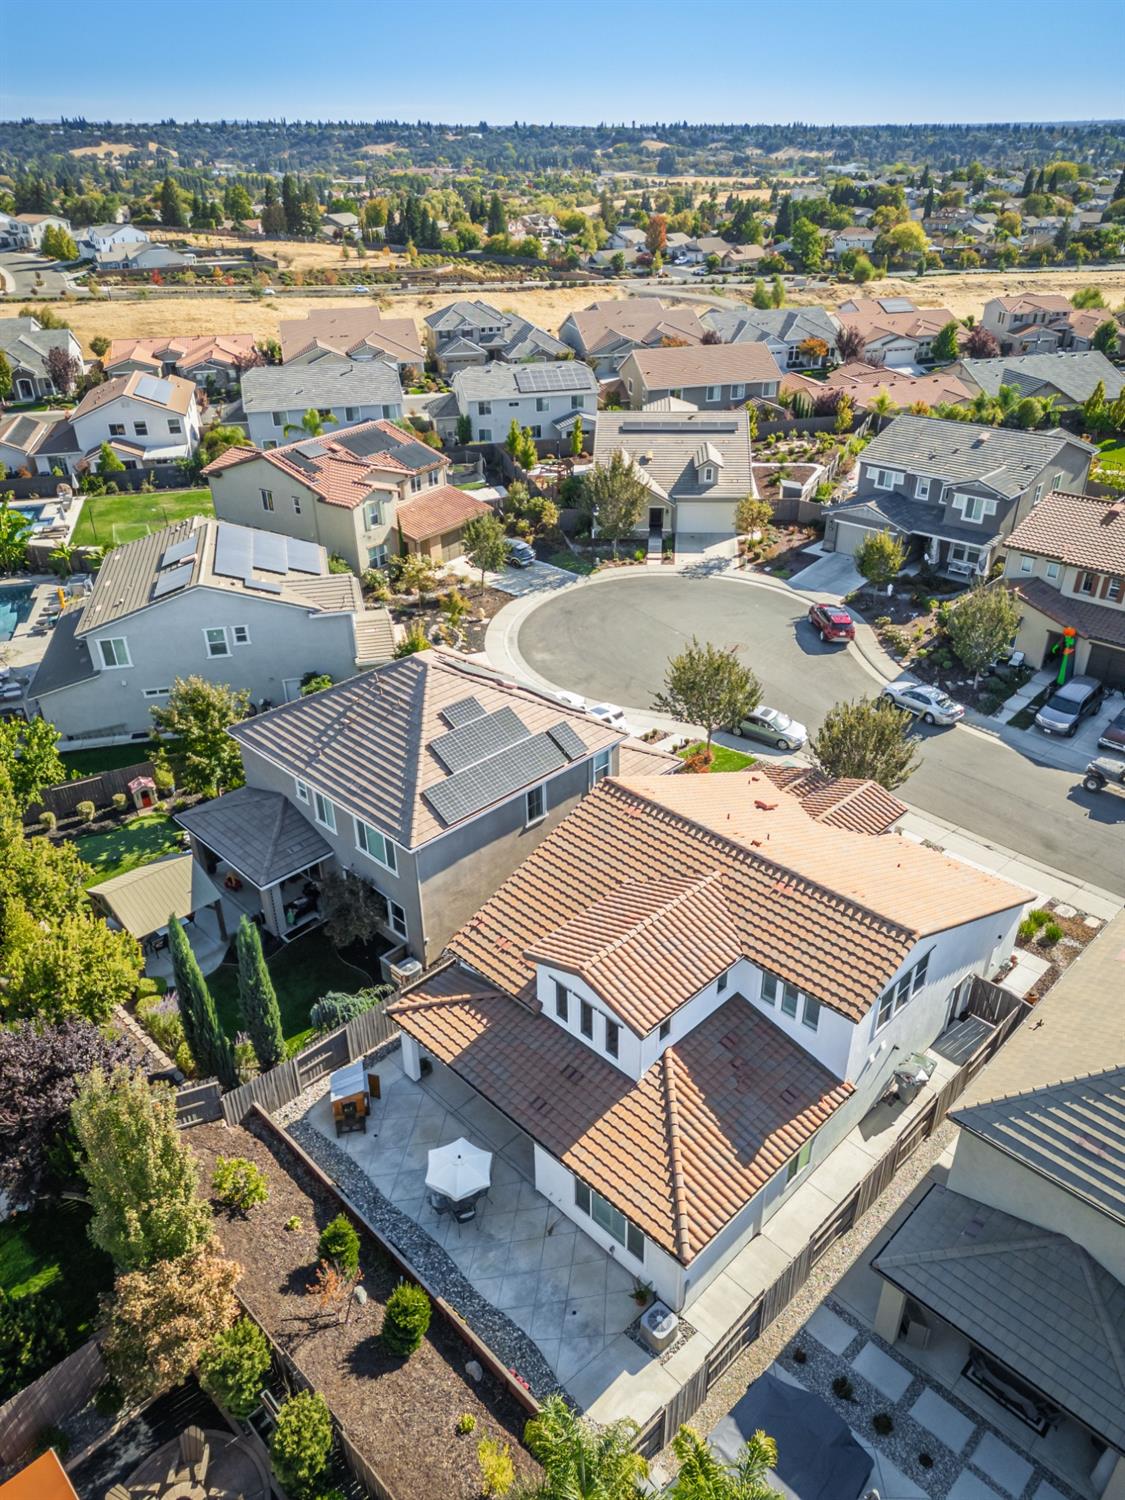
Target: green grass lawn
[(1111, 453), (571, 563), (81, 763), (302, 972), (47, 1253), (109, 520), (722, 758), (138, 842)]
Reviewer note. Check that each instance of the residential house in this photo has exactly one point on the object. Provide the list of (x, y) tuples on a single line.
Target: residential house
[(894, 330), (343, 393), (39, 442), (340, 226), (208, 599), (364, 493), (1006, 1278), (26, 345), (742, 257), (359, 333), (690, 993), (430, 778), (626, 237), (207, 358), (1005, 317), (696, 251), (1083, 323), (604, 333), (854, 237), (466, 334), (100, 239), (1066, 563), (785, 331), (536, 396), (708, 375), (26, 231), (952, 491), (696, 466), (543, 227), (1069, 378), (145, 419), (863, 383), (152, 256)]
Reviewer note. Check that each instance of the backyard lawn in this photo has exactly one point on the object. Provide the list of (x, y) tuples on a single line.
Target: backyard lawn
[(302, 972), (722, 758), (1111, 453), (138, 842), (109, 520)]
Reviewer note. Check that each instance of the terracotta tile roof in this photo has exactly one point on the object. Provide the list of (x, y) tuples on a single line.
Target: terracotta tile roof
[(435, 512), (842, 801), (342, 329), (1030, 302), (1082, 530), (833, 911), (864, 382), (181, 393), (875, 324), (681, 1151), (188, 350), (639, 320), (706, 364), (1094, 622), (647, 947)]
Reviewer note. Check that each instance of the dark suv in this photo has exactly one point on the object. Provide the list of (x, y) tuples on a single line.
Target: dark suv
[(1067, 706)]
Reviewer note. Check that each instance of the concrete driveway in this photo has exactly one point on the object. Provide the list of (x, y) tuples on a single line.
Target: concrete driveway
[(18, 271), (831, 577)]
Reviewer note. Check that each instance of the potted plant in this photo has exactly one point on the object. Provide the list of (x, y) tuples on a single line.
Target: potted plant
[(642, 1293)]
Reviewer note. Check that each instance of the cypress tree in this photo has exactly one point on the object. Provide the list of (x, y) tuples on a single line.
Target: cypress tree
[(257, 999), (209, 1046)]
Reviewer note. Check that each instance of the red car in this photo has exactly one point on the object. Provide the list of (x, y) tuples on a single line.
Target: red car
[(833, 622)]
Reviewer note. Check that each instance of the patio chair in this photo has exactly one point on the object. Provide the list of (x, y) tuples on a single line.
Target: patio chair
[(463, 1213)]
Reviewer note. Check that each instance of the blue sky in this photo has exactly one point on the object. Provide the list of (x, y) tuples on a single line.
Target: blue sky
[(617, 60)]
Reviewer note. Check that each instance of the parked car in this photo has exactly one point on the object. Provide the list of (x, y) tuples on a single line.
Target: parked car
[(929, 704), (572, 700), (610, 714), (1065, 709), (832, 621), (520, 554), (772, 726), (359, 287), (1112, 736), (1104, 772)]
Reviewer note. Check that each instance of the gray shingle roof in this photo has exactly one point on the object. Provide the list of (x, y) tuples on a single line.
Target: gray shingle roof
[(466, 315), (1003, 458), (908, 516), (1034, 1300), (1075, 376), (674, 440), (292, 387), (792, 325), (65, 661), (27, 347), (260, 833), (497, 381)]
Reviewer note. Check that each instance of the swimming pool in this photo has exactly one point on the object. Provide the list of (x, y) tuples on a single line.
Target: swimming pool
[(15, 606), (34, 514)]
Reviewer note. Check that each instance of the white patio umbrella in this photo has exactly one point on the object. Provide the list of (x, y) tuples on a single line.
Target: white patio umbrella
[(459, 1170)]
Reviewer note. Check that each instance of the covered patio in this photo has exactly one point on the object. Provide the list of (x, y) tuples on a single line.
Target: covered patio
[(141, 901)]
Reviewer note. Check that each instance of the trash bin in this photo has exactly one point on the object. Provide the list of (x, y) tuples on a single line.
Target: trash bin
[(913, 1074)]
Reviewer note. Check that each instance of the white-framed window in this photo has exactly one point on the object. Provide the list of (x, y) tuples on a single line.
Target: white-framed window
[(278, 418), (484, 434), (707, 474), (722, 981), (1027, 565), (324, 812), (415, 483), (241, 634), (1053, 571), (301, 790), (964, 555), (811, 1015), (115, 652), (433, 477), (216, 641), (175, 425), (396, 919), (562, 1001), (798, 1163), (267, 499), (1059, 477), (590, 1202), (1038, 495), (599, 767), (296, 505), (714, 393), (1084, 584), (974, 508), (372, 514), (922, 488), (536, 806), (117, 429), (541, 403), (577, 403), (376, 556), (484, 408), (896, 995), (1113, 589), (586, 1019), (737, 392), (350, 413), (789, 997), (882, 479), (141, 429), (612, 1038), (376, 846), (157, 692)]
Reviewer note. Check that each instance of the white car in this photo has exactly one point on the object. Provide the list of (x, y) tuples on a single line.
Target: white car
[(610, 714), (572, 700), (772, 726), (929, 704), (359, 287)]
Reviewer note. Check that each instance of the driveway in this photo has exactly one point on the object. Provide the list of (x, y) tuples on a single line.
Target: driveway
[(611, 640), (18, 271), (830, 577)]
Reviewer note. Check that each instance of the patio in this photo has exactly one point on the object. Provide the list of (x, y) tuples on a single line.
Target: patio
[(520, 1253)]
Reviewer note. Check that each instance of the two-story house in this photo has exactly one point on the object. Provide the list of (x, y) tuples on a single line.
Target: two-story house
[(26, 344), (853, 237), (542, 397), (145, 419), (366, 493), (793, 335), (1007, 318), (207, 358), (695, 465), (359, 333), (26, 231), (1071, 378), (710, 376), (343, 393), (1066, 564), (208, 599), (952, 491), (466, 334), (429, 778), (895, 332), (604, 333), (692, 990), (101, 239)]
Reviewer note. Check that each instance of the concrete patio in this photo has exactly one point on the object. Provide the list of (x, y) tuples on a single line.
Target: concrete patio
[(521, 1253)]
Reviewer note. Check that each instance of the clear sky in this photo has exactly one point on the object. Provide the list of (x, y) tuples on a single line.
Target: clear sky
[(461, 61)]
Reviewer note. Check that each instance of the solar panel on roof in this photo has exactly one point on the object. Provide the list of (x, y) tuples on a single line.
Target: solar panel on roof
[(896, 304), (477, 787), (263, 585), (464, 711), (175, 578), (233, 551), (479, 739), (312, 449), (179, 551), (364, 444), (270, 552), (304, 557), (557, 377), (567, 738), (153, 389)]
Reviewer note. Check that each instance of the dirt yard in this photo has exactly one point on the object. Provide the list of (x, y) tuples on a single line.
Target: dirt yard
[(964, 293), (291, 255)]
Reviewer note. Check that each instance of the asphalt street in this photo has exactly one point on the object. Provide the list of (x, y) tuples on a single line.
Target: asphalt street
[(20, 268), (613, 640)]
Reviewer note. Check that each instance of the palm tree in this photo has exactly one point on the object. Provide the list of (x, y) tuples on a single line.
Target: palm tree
[(62, 559), (581, 1462), (704, 1476), (1050, 409), (310, 424), (882, 404)]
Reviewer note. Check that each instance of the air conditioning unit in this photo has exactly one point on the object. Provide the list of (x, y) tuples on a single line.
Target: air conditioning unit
[(405, 971)]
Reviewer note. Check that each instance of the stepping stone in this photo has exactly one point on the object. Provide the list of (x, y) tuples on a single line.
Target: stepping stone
[(968, 1487), (829, 1329), (1066, 911), (886, 1374), (1003, 1465), (946, 1423)]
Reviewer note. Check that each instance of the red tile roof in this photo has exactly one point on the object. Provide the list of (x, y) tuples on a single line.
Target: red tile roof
[(1082, 530), (437, 511)]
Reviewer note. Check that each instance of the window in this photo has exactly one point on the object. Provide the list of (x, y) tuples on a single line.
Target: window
[(241, 635), (737, 392), (115, 652), (1027, 564), (535, 430), (586, 1018), (372, 514), (217, 643), (612, 1037), (1052, 571), (541, 403), (789, 995), (599, 767), (296, 505), (1059, 477), (141, 429), (157, 692), (376, 846), (325, 812), (770, 986), (665, 1030), (1113, 589), (302, 791), (433, 477), (117, 429), (707, 474), (267, 499), (396, 919), (722, 981), (562, 1001), (326, 414), (484, 434), (894, 998), (883, 479), (603, 1213), (376, 556), (536, 805), (175, 425), (577, 403), (811, 1017), (278, 418), (484, 408), (974, 508), (714, 393), (922, 488), (1084, 583), (349, 413), (1038, 495), (390, 413), (799, 1162)]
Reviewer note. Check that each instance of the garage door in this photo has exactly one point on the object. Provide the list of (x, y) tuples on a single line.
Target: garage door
[(1107, 664), (705, 519), (451, 545), (850, 538)]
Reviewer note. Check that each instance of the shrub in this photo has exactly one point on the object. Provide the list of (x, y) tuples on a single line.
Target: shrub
[(85, 811), (239, 1183), (109, 1398), (1032, 923), (233, 1366), (50, 1437), (406, 1321), (31, 1340), (163, 779), (246, 1063), (497, 1471), (883, 1423), (339, 1243), (47, 820), (160, 1017), (1050, 934), (466, 1423), (926, 1460), (799, 1356), (120, 801), (843, 1388), (293, 1222), (336, 1009), (302, 1443)]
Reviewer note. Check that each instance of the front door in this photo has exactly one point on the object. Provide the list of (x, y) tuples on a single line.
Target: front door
[(656, 518)]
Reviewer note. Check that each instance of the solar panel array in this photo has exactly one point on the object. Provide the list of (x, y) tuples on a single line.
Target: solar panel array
[(172, 579), (238, 551), (304, 557), (671, 425), (478, 740), (464, 711), (270, 552), (154, 389), (896, 304), (563, 376), (234, 554), (180, 551), (569, 741), (479, 786)]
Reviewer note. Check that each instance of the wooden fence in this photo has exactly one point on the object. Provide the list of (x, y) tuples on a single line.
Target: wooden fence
[(662, 1427), (63, 799), (63, 1390)]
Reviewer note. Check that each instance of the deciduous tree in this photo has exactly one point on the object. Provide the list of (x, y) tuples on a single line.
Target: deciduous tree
[(485, 545), (879, 558), (617, 496), (352, 909), (850, 343), (76, 966), (709, 686), (866, 739), (944, 348), (980, 344), (1107, 338), (195, 720), (29, 756), (982, 624), (752, 516)]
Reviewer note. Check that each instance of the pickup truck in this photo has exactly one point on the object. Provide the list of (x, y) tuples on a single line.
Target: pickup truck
[(1103, 772)]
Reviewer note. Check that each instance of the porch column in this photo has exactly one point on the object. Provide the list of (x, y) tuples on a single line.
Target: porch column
[(1115, 1489), (889, 1313), (411, 1057)]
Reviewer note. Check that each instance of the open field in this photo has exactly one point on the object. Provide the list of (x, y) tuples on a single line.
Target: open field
[(291, 255), (966, 292), (117, 148)]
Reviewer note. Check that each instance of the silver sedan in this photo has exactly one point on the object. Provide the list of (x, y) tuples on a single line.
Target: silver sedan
[(929, 704), (771, 725)]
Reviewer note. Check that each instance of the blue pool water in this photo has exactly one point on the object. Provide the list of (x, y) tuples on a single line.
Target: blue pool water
[(34, 514), (15, 606)]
